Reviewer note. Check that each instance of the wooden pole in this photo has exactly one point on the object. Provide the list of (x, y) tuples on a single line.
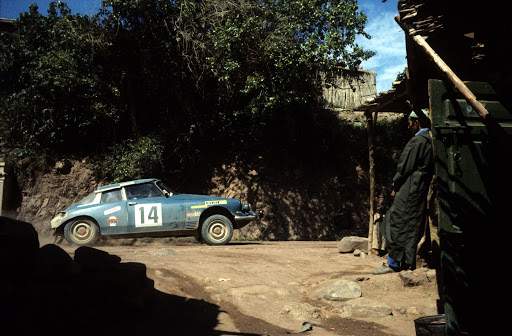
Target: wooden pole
[(371, 173), (459, 84)]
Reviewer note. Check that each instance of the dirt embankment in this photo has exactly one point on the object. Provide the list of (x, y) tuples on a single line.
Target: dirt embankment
[(313, 207), (43, 194)]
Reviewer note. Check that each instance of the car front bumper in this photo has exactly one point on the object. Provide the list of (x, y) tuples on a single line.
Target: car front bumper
[(243, 218)]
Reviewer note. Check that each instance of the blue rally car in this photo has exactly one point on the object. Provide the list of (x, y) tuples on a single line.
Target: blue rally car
[(148, 208)]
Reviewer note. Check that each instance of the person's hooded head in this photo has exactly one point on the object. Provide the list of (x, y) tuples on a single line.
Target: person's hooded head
[(418, 120)]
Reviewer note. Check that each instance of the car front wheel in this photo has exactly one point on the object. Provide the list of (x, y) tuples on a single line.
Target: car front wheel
[(217, 230), (81, 232)]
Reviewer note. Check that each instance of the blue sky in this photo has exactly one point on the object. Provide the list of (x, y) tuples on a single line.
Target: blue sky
[(387, 41), (387, 37), (12, 8)]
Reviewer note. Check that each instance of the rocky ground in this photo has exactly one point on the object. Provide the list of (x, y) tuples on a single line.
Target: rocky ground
[(273, 288), (140, 287)]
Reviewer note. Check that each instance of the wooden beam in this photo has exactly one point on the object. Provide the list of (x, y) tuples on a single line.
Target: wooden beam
[(371, 177), (456, 81)]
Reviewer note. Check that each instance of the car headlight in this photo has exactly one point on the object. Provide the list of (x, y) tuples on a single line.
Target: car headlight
[(246, 207), (60, 215)]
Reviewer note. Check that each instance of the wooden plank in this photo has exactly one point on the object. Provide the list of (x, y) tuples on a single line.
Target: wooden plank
[(456, 81)]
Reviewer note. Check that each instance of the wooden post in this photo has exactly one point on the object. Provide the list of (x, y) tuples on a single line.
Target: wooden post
[(2, 178), (371, 174), (459, 84)]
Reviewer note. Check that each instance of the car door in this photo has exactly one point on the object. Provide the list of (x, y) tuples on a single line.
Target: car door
[(112, 213), (149, 210)]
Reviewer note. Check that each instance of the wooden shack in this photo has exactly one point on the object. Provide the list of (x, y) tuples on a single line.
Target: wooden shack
[(458, 68)]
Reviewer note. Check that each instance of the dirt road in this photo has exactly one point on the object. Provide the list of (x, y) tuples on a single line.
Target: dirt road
[(266, 288)]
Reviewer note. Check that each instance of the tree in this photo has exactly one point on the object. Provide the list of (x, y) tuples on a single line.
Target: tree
[(225, 67), (52, 86)]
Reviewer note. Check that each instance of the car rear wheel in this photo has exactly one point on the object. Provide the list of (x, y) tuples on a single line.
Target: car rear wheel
[(217, 230), (81, 232)]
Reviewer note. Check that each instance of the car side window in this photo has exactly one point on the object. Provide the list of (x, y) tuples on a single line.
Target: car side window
[(144, 190), (111, 196)]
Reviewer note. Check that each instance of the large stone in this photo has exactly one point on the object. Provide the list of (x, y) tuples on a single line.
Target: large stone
[(414, 278), (54, 263), (352, 243), (364, 308), (19, 246), (91, 259), (338, 290)]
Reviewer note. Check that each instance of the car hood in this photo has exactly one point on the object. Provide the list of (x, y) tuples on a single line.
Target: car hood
[(78, 206)]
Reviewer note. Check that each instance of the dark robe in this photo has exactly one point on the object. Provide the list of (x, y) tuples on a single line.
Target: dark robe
[(401, 225)]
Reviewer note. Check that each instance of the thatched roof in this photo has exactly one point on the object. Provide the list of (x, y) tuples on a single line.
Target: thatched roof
[(393, 100), (472, 39)]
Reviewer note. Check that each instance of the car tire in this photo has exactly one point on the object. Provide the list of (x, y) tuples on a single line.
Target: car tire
[(217, 230), (81, 232)]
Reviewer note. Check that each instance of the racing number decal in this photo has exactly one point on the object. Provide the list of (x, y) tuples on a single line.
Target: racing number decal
[(148, 214)]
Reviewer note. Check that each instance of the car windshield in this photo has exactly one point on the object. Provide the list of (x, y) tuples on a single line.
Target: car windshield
[(163, 187), (87, 199)]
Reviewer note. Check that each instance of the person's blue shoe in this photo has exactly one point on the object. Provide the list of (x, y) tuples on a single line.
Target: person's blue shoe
[(384, 269)]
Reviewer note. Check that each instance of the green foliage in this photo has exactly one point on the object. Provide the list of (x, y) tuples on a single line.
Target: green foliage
[(204, 76), (243, 60), (271, 53), (51, 87), (133, 159)]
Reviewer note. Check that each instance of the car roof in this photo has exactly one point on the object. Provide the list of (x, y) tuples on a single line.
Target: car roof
[(122, 184)]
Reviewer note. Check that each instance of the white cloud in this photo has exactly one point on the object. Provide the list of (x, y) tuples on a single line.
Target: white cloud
[(387, 41)]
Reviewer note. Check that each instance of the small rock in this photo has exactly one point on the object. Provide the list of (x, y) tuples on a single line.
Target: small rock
[(362, 255), (163, 253), (365, 308), (338, 290), (431, 275), (301, 311), (351, 243), (413, 278), (357, 252), (412, 311), (63, 167), (362, 278)]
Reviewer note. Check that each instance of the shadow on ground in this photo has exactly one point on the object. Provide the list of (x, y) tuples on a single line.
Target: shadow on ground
[(45, 290)]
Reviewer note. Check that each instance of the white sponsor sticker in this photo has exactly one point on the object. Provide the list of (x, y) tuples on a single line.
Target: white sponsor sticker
[(206, 204), (216, 202), (149, 214), (112, 210)]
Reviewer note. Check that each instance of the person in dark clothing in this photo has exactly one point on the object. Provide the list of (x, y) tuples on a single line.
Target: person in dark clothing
[(402, 222)]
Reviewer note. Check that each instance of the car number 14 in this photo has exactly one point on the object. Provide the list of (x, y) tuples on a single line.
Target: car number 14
[(148, 214)]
